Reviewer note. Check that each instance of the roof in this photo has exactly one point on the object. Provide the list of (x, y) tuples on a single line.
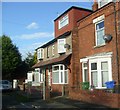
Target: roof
[(73, 7), (55, 39), (60, 59)]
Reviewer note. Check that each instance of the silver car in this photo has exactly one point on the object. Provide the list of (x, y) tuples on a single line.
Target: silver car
[(5, 85)]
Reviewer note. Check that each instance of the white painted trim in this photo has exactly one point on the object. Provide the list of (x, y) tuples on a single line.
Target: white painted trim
[(63, 73), (83, 60), (98, 19), (59, 49), (98, 61), (96, 35)]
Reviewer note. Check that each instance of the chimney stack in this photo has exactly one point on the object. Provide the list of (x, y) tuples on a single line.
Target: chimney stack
[(95, 5)]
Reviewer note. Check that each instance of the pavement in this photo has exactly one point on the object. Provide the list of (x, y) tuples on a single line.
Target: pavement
[(58, 102)]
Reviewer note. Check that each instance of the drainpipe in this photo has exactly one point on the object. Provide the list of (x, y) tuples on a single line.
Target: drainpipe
[(44, 84), (116, 41)]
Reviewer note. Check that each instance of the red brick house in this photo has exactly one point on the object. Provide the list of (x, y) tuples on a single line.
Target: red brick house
[(98, 54), (55, 57)]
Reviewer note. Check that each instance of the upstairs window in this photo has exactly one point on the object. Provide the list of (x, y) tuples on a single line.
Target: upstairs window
[(63, 22), (61, 43), (99, 30), (40, 53), (48, 52), (101, 3)]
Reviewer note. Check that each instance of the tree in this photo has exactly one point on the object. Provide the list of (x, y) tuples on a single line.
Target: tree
[(30, 59), (11, 58)]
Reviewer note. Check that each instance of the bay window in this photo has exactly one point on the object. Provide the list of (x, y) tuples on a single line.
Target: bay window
[(59, 74), (40, 53), (100, 72)]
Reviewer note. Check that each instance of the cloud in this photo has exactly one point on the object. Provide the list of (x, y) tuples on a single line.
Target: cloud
[(35, 35), (33, 25), (29, 48)]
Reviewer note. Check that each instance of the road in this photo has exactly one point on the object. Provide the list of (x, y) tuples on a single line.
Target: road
[(10, 100)]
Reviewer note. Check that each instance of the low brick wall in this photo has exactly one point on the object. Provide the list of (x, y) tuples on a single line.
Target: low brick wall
[(97, 97)]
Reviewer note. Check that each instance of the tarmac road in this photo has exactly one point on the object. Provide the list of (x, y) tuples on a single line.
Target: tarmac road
[(9, 101)]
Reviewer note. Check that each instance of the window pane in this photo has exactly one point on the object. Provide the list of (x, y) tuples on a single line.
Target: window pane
[(94, 79), (55, 77), (93, 66), (100, 25), (104, 65), (100, 35), (84, 64), (104, 78), (61, 77), (86, 74)]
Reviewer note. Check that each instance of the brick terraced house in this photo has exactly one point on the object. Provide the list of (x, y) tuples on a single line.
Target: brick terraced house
[(86, 48), (99, 54), (55, 59)]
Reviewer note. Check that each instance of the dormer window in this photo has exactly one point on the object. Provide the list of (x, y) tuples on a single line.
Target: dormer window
[(63, 21), (40, 53), (101, 3)]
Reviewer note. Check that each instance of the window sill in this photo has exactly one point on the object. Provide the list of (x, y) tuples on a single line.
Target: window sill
[(98, 46)]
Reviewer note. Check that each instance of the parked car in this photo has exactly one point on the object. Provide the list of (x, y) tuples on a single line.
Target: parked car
[(5, 85)]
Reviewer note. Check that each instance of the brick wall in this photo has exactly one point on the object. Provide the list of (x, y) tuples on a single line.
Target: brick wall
[(86, 33), (96, 97), (74, 15)]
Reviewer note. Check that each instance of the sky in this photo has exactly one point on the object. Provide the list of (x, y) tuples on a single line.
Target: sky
[(31, 24)]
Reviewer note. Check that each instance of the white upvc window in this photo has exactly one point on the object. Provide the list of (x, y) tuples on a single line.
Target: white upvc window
[(53, 50), (101, 3), (48, 52), (85, 75), (38, 75), (30, 76), (40, 53), (100, 72), (63, 21), (61, 43), (59, 74), (99, 32)]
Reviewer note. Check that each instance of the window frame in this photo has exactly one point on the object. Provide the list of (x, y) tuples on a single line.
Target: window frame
[(96, 33), (40, 75), (40, 53), (63, 50), (99, 3), (61, 74), (63, 21), (83, 71), (99, 71)]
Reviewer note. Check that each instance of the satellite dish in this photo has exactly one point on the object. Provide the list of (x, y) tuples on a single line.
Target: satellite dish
[(107, 37), (67, 46)]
